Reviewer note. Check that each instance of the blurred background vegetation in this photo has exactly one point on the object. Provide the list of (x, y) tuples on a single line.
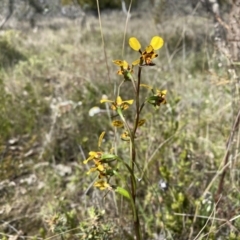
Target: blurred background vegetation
[(53, 72)]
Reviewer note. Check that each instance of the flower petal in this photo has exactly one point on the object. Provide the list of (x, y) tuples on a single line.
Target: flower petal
[(146, 86), (92, 155), (118, 62), (141, 122), (129, 101), (121, 63), (136, 62), (125, 65), (125, 136), (105, 100), (156, 42), (100, 167), (149, 49), (124, 106), (119, 101), (113, 107), (163, 92), (120, 72), (102, 184), (154, 55), (100, 139), (94, 169), (117, 123), (134, 44)]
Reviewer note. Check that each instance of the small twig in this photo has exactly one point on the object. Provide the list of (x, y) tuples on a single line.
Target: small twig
[(205, 225), (221, 22), (10, 8), (126, 25), (226, 157), (201, 216), (103, 42)]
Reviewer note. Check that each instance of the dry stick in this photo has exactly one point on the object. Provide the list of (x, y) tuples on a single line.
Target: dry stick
[(220, 20), (226, 221), (201, 217), (11, 9), (206, 224), (229, 142), (126, 24), (104, 49)]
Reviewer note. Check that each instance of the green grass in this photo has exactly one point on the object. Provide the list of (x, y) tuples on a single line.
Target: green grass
[(43, 184)]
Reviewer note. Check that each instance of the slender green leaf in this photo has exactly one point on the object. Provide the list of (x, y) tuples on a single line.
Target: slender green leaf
[(106, 156), (123, 192)]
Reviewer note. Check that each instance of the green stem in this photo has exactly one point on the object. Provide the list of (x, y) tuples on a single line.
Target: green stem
[(141, 107), (137, 102), (133, 157)]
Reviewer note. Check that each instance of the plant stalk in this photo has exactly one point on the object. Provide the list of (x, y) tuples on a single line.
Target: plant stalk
[(133, 158)]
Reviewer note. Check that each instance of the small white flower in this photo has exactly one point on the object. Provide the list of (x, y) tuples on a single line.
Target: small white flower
[(93, 111), (104, 96)]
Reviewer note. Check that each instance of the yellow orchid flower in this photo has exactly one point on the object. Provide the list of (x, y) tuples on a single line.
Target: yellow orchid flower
[(93, 155), (125, 69), (117, 123), (102, 185), (119, 103), (149, 53), (162, 96), (125, 136), (141, 122), (98, 167), (158, 98), (124, 66)]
